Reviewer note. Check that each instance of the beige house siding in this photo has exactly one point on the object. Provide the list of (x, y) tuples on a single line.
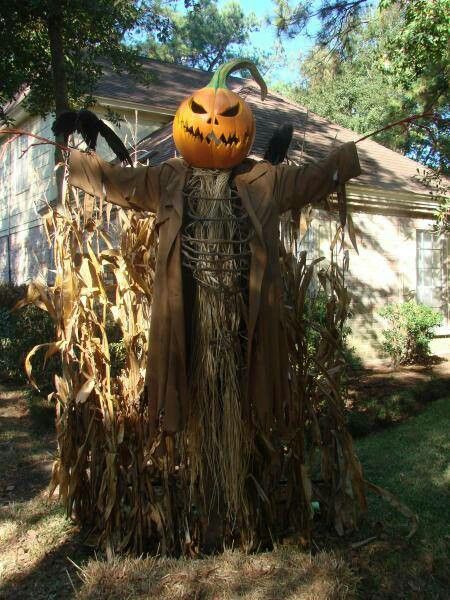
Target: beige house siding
[(27, 183), (383, 271)]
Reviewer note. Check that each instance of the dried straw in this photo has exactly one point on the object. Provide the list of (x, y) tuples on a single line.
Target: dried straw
[(108, 474), (218, 439)]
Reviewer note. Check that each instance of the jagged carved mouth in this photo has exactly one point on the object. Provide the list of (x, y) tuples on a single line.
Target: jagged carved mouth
[(231, 140)]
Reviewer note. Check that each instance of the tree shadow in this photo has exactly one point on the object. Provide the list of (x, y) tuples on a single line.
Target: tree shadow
[(35, 537)]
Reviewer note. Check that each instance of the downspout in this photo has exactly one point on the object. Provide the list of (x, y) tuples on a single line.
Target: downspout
[(8, 206)]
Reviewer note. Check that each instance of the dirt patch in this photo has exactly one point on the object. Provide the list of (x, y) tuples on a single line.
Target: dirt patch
[(382, 377), (381, 396)]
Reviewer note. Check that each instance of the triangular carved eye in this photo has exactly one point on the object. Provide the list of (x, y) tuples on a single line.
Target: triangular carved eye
[(197, 108), (230, 112)]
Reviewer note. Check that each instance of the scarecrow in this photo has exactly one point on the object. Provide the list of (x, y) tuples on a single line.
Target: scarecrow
[(217, 387)]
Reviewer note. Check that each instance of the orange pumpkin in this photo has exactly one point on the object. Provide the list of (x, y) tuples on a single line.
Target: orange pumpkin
[(215, 128)]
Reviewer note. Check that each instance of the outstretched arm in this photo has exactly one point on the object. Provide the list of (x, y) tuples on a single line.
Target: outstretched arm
[(297, 186), (128, 187)]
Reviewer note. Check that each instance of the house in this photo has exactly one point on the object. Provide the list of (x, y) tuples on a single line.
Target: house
[(399, 256)]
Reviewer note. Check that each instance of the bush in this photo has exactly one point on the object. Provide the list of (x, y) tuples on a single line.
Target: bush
[(315, 315), (10, 294), (20, 331), (23, 329), (407, 339)]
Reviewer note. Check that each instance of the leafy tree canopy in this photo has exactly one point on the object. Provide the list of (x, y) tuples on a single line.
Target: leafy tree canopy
[(417, 49), (55, 47), (204, 37), (381, 75)]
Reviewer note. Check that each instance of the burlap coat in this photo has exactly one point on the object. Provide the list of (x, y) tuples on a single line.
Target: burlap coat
[(266, 191)]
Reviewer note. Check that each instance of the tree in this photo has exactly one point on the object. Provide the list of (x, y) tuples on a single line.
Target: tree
[(363, 90), (337, 18), (203, 37), (55, 48), (418, 51)]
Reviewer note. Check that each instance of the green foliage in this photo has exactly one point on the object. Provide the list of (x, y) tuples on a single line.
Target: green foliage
[(315, 313), (337, 19), (419, 52), (118, 355), (315, 318), (10, 294), (86, 32), (204, 37), (20, 331), (409, 332), (371, 74)]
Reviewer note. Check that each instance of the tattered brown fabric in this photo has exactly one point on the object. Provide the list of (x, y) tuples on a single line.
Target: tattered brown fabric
[(266, 191), (136, 487)]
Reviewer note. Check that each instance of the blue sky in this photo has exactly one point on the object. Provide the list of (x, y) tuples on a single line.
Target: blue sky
[(265, 39)]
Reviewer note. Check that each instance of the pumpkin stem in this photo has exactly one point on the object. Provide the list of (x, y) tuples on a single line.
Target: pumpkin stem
[(219, 79)]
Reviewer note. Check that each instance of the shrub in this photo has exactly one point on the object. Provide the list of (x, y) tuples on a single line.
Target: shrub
[(20, 331), (23, 329), (315, 315), (10, 294), (407, 338)]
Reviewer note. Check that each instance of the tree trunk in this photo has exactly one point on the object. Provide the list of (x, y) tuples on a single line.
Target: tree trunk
[(55, 21)]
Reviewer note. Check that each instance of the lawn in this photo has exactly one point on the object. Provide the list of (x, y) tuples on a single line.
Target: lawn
[(410, 459), (413, 461)]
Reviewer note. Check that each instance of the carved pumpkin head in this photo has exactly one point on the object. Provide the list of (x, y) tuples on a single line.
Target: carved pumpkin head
[(215, 128)]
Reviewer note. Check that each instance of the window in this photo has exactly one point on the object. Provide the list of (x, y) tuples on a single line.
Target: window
[(22, 170), (432, 277)]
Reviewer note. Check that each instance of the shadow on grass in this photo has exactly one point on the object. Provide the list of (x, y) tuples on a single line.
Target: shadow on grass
[(35, 536), (411, 461), (51, 578), (27, 444)]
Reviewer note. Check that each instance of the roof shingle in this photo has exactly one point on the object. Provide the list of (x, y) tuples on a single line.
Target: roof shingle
[(382, 168)]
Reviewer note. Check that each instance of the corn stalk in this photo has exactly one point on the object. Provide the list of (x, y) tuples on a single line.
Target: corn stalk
[(110, 475)]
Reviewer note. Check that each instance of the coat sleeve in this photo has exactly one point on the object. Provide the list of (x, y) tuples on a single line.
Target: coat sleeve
[(297, 186), (128, 187)]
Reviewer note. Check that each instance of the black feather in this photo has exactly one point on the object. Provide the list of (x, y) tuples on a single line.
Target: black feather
[(65, 123), (115, 143), (278, 145), (89, 126)]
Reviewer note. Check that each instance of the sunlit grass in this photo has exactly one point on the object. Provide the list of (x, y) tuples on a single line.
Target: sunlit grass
[(285, 573)]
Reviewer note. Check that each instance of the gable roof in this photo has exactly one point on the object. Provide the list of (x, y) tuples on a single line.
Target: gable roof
[(383, 169), (314, 136), (169, 86)]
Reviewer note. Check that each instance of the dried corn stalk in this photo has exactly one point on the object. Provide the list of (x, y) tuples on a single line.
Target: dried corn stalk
[(110, 478)]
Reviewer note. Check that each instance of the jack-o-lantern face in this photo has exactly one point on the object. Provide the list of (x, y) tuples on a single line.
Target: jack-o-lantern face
[(215, 128)]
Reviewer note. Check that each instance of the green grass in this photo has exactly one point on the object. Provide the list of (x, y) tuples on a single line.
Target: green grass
[(413, 461)]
